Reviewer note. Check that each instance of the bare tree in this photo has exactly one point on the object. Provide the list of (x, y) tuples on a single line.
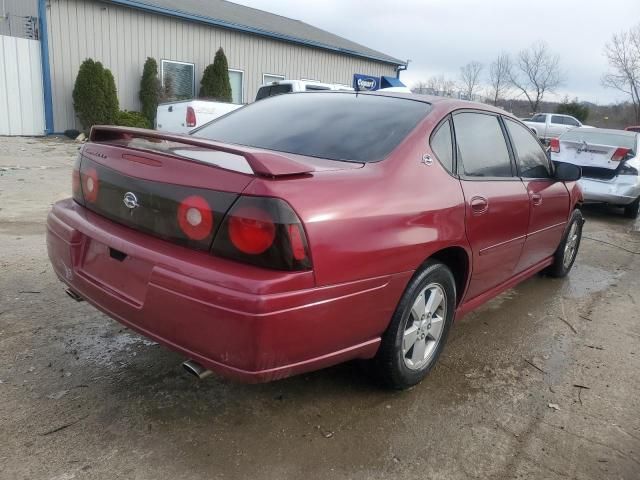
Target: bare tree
[(470, 77), (420, 87), (623, 55), (440, 85), (499, 77), (536, 71)]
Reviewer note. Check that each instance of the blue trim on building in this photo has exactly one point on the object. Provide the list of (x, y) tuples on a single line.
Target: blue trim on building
[(243, 28), (46, 69)]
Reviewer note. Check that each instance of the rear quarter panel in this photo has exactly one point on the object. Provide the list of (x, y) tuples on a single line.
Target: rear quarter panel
[(387, 217)]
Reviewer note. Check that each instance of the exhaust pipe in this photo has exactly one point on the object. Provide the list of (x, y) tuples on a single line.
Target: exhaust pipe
[(195, 369), (74, 295)]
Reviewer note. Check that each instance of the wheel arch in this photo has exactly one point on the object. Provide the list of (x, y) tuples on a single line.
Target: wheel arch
[(457, 260)]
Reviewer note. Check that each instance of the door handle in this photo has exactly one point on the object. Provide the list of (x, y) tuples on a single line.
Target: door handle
[(536, 199), (479, 205)]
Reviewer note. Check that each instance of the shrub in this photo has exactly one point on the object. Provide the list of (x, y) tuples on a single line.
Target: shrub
[(95, 98), (132, 119), (573, 108), (150, 90), (111, 104), (215, 79)]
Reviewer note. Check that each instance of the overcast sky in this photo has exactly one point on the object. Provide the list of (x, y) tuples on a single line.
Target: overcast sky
[(439, 36)]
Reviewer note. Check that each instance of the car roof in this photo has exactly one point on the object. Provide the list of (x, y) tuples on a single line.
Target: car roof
[(441, 102)]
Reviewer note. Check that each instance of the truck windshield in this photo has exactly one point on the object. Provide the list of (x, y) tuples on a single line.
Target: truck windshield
[(333, 125)]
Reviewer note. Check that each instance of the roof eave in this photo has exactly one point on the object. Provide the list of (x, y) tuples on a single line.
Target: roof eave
[(255, 31)]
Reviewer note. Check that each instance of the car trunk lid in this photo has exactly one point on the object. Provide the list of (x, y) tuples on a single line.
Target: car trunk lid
[(175, 187)]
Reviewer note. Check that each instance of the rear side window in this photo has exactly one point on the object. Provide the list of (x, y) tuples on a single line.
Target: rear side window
[(272, 90), (332, 125), (558, 120), (570, 121), (442, 145), (532, 160), (482, 149), (539, 118)]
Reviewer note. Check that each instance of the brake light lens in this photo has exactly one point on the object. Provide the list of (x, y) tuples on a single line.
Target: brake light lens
[(554, 143), (195, 217), (90, 184), (265, 232), (191, 117), (251, 230), (76, 189), (620, 154)]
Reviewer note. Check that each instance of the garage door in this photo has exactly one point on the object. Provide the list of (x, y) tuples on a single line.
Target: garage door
[(21, 93)]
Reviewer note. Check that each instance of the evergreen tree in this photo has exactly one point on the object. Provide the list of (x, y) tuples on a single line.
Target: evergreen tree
[(111, 104), (215, 82), (95, 98), (150, 90)]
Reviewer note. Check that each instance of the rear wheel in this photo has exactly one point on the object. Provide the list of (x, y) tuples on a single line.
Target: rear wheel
[(568, 249), (631, 210), (418, 329)]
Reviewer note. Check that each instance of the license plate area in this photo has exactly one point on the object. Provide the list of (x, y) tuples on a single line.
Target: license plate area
[(115, 271)]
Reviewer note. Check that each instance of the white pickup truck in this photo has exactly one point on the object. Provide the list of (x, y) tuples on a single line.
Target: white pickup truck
[(551, 125), (184, 116)]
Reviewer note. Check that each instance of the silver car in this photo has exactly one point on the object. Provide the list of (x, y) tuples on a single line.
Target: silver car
[(610, 164)]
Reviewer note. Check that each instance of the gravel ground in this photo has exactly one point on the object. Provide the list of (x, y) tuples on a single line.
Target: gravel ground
[(542, 382)]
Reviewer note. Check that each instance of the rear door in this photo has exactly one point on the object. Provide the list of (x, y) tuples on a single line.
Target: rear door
[(549, 199), (497, 202)]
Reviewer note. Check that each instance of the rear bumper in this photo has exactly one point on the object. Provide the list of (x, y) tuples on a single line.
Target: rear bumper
[(240, 321), (621, 190)]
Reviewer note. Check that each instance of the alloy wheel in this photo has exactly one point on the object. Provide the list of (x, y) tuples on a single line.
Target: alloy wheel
[(424, 327)]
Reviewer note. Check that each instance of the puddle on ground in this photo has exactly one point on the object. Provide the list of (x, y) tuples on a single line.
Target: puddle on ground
[(586, 279), (104, 348)]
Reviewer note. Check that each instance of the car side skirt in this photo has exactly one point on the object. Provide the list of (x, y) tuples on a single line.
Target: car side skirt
[(475, 302)]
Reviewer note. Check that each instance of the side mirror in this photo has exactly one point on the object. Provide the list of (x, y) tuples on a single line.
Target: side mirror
[(567, 172)]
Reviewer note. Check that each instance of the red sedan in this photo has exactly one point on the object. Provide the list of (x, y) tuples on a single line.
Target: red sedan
[(314, 228)]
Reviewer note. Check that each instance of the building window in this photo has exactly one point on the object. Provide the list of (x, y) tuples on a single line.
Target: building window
[(178, 80), (236, 78), (268, 78)]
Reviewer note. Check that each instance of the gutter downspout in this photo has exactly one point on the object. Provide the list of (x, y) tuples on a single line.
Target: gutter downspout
[(46, 69), (402, 68)]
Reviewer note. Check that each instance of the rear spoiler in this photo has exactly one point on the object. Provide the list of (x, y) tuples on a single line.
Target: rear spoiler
[(263, 163)]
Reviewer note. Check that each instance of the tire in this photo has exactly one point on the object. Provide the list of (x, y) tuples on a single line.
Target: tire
[(631, 210), (400, 364), (566, 253)]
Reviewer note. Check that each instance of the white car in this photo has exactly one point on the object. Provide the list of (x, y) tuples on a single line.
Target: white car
[(550, 125), (610, 164)]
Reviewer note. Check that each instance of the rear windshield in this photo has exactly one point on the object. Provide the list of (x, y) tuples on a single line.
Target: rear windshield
[(613, 139), (332, 125)]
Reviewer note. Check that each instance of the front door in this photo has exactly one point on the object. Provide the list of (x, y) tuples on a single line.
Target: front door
[(549, 199), (497, 202)]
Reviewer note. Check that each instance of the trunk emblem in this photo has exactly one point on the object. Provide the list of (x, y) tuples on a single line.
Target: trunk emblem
[(130, 200)]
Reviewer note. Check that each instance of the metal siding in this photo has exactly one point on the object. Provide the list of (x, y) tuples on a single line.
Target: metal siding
[(21, 92), (122, 39), (16, 10)]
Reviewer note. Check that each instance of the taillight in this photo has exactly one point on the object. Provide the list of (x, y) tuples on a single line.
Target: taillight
[(251, 230), (620, 154), (195, 217), (90, 184), (76, 189), (191, 117), (265, 232), (554, 143)]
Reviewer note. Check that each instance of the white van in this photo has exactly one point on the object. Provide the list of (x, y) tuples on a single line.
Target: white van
[(289, 86)]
